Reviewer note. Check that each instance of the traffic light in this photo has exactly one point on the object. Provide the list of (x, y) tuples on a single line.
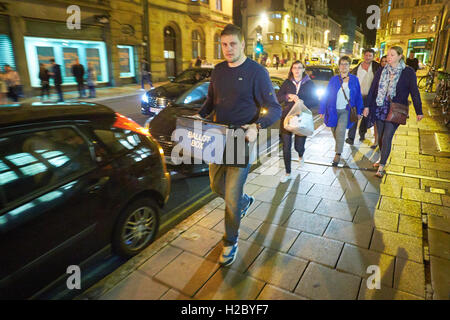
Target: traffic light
[(259, 47), (429, 44), (332, 44)]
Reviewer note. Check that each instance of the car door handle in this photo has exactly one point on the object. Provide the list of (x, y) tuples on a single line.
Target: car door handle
[(99, 185)]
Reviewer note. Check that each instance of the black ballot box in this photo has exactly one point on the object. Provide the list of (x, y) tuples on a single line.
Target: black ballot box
[(203, 141)]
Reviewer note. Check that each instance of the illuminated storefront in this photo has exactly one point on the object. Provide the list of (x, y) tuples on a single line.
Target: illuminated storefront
[(65, 52), (6, 48), (419, 46), (126, 61)]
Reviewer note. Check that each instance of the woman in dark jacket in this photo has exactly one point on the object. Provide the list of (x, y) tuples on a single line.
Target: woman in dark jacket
[(45, 81), (298, 86), (395, 81), (335, 106)]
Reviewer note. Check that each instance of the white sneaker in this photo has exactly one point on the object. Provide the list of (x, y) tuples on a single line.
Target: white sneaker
[(228, 255), (285, 178)]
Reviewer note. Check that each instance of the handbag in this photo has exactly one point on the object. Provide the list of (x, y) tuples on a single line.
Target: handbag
[(398, 113), (353, 110), (299, 120)]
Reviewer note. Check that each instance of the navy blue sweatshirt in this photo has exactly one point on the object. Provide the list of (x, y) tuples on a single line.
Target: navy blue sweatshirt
[(235, 93)]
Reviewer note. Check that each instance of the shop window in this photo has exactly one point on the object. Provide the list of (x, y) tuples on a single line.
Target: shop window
[(217, 47), (65, 52), (6, 52), (198, 45), (126, 61)]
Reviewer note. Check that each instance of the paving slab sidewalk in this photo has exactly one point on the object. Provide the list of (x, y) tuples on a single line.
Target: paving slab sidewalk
[(319, 236)]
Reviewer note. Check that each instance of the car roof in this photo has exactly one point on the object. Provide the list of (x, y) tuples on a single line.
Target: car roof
[(319, 67), (27, 113)]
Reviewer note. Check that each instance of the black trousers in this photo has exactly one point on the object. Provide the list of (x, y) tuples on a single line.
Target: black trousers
[(80, 85), (362, 126), (59, 91)]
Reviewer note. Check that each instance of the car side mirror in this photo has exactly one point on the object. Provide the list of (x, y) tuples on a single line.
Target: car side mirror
[(171, 78)]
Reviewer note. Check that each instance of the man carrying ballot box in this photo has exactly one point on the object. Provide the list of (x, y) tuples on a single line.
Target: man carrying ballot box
[(238, 86)]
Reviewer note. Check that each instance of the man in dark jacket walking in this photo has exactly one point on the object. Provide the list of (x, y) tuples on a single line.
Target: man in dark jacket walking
[(412, 61), (78, 73), (57, 78), (365, 72), (238, 86)]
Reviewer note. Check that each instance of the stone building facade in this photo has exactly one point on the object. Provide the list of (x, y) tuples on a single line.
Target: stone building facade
[(290, 29), (112, 36), (410, 24)]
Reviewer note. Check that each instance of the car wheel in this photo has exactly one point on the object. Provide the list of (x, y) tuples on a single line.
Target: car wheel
[(136, 228)]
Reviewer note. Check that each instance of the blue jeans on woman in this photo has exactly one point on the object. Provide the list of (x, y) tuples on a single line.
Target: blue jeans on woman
[(228, 182), (386, 131), (299, 146)]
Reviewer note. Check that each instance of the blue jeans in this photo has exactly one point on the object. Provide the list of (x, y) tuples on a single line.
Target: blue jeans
[(91, 91), (299, 146), (386, 131), (146, 78), (228, 182)]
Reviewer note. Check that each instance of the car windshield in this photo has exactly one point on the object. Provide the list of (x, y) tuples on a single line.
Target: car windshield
[(192, 76), (322, 74), (194, 97)]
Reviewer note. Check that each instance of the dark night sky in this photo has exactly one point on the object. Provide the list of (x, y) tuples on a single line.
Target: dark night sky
[(358, 9)]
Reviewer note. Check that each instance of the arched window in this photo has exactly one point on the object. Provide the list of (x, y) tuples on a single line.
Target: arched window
[(302, 38), (217, 47), (198, 45), (296, 38)]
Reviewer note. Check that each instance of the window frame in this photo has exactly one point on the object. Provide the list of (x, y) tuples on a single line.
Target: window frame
[(8, 206)]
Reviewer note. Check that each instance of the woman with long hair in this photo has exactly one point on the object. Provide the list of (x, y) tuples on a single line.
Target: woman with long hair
[(343, 93), (298, 86), (393, 83)]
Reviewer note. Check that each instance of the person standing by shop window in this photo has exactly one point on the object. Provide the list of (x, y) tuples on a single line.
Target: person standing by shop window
[(91, 80), (334, 106), (412, 61), (78, 73), (57, 79), (297, 87), (45, 81), (365, 72), (146, 75), (238, 87), (395, 83), (12, 79)]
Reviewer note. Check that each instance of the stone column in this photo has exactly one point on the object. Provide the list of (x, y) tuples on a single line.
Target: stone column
[(18, 29)]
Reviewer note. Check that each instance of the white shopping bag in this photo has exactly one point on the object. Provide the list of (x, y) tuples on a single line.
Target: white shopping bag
[(299, 120)]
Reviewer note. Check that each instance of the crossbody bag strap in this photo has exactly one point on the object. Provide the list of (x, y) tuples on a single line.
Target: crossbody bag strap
[(343, 91)]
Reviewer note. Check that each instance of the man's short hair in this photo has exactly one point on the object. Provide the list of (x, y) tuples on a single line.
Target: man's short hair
[(231, 29), (369, 50), (52, 60)]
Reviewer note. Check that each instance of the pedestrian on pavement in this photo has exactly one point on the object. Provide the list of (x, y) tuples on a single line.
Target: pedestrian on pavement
[(276, 61), (383, 61), (146, 75), (238, 86), (298, 86), (268, 62), (12, 79), (395, 82), (57, 79), (44, 76), (365, 72), (3, 89), (91, 80), (198, 62), (412, 61), (343, 92), (78, 73)]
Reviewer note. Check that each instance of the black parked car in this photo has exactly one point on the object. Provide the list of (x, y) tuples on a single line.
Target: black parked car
[(74, 179), (189, 103), (153, 101)]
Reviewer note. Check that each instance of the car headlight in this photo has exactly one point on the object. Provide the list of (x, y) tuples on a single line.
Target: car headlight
[(145, 98), (320, 92)]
